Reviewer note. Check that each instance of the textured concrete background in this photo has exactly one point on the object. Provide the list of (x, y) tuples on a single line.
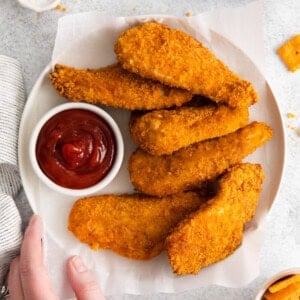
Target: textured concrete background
[(29, 37)]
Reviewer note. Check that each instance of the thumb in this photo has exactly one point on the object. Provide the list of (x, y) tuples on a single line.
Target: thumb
[(82, 281)]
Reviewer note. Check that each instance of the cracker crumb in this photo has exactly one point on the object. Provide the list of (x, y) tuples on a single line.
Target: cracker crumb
[(134, 9), (188, 14), (291, 127), (61, 8), (291, 115), (298, 132)]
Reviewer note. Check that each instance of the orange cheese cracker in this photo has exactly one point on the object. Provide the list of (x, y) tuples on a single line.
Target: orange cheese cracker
[(290, 53), (278, 285), (291, 292)]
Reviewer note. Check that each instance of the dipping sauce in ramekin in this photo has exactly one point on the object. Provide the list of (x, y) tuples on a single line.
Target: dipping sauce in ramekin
[(77, 147)]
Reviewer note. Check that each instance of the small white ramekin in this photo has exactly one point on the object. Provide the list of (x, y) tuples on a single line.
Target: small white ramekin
[(39, 5), (118, 156), (270, 281)]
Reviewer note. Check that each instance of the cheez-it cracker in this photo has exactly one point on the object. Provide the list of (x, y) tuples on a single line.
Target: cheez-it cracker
[(284, 289), (277, 286), (290, 53)]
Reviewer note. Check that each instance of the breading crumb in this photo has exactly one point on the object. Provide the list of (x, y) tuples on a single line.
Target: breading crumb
[(291, 115), (60, 8), (188, 14), (291, 127)]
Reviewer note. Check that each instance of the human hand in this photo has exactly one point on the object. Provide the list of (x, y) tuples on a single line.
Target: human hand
[(28, 277)]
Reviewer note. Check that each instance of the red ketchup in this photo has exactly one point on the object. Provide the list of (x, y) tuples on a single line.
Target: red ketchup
[(76, 148)]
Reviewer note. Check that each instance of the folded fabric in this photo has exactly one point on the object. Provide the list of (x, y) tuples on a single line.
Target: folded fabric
[(11, 106)]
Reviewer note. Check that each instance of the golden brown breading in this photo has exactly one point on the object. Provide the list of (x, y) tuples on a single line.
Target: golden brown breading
[(134, 226), (189, 167), (115, 87), (216, 229), (156, 51), (165, 131)]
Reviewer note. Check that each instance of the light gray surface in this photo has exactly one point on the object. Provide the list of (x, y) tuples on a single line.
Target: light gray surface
[(29, 37)]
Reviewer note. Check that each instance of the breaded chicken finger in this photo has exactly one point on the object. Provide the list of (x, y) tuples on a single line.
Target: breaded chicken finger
[(189, 167), (216, 229), (134, 226), (154, 50), (114, 86), (165, 131)]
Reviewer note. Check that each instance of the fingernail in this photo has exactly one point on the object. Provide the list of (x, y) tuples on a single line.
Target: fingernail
[(78, 264)]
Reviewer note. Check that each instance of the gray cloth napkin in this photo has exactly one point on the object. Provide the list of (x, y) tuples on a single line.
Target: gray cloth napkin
[(12, 98)]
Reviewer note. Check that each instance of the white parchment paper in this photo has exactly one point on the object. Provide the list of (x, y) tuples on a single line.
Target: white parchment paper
[(91, 37)]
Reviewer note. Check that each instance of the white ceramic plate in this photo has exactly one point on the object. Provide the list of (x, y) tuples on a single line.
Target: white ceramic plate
[(96, 50)]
